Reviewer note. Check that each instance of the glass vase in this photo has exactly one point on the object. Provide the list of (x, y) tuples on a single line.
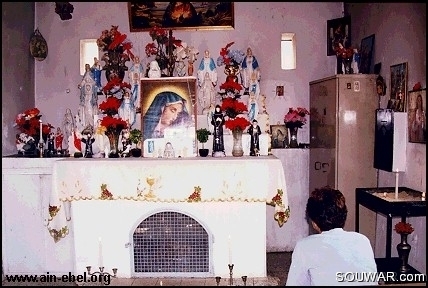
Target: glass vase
[(293, 137), (113, 139), (237, 150), (403, 249)]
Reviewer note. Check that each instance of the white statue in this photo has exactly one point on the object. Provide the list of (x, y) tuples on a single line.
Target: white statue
[(88, 106), (154, 70)]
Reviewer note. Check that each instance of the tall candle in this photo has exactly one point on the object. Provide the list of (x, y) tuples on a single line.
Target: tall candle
[(396, 184), (229, 242), (100, 253), (41, 131)]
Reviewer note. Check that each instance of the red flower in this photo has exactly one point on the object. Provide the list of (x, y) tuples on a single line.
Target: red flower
[(231, 85), (237, 123), (110, 106), (113, 125), (403, 228)]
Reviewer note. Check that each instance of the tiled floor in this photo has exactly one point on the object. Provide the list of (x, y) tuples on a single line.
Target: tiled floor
[(277, 268)]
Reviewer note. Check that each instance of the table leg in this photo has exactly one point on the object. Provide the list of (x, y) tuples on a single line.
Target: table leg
[(388, 235)]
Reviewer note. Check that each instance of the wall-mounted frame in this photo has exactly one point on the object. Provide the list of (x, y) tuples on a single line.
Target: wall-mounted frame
[(416, 112), (338, 31), (366, 54), (279, 136), (181, 15), (397, 101), (168, 115)]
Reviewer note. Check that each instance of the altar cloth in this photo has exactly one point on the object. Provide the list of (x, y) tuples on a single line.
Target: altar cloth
[(232, 179)]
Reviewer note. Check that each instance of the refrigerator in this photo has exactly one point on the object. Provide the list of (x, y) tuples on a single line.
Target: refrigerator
[(342, 128)]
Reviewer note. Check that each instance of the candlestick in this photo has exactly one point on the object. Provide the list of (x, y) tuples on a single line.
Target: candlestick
[(396, 184), (41, 131), (100, 252), (229, 242)]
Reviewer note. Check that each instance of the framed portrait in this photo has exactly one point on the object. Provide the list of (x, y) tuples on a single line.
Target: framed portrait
[(338, 31), (181, 15), (366, 54), (168, 117), (397, 101), (416, 113), (279, 136)]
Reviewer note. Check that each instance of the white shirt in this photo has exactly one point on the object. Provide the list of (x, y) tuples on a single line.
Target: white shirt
[(317, 258)]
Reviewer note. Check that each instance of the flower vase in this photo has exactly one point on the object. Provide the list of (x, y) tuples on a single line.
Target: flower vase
[(237, 150), (347, 65), (403, 249), (293, 137), (113, 139)]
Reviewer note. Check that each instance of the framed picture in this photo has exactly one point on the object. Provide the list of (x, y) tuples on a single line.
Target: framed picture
[(279, 136), (398, 97), (416, 112), (338, 31), (168, 117), (181, 15), (366, 54)]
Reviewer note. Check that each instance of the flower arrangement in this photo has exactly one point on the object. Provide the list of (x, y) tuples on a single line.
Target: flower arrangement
[(163, 47), (403, 228), (113, 125), (296, 117), (29, 121), (342, 52), (116, 85), (232, 108), (228, 56), (114, 40)]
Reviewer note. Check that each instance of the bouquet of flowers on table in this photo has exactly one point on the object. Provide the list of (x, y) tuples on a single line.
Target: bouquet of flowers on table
[(295, 117)]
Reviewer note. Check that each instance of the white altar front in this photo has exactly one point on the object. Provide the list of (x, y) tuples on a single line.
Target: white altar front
[(226, 196)]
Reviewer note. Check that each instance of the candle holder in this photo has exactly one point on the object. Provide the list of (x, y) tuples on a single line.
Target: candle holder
[(101, 274), (244, 278), (230, 274), (217, 280), (41, 145)]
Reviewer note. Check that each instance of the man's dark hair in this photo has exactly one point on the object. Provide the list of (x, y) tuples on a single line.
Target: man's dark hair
[(327, 208)]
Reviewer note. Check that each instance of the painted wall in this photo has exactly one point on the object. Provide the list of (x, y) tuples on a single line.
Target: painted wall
[(400, 36)]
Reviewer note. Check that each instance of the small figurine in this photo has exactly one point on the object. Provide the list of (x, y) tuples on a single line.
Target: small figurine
[(50, 151), (169, 151), (59, 137), (89, 140), (255, 132), (154, 70)]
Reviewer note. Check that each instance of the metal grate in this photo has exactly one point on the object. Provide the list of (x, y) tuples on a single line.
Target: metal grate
[(170, 242)]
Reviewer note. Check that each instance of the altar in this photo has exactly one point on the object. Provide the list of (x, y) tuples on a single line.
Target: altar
[(186, 217)]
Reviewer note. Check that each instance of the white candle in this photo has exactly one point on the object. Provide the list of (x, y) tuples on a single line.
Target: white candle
[(384, 194), (100, 253), (229, 242), (423, 195), (396, 184), (41, 131)]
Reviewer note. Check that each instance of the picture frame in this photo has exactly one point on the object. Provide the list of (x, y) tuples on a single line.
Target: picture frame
[(279, 136), (338, 31), (416, 113), (366, 54), (168, 117), (397, 101), (169, 15)]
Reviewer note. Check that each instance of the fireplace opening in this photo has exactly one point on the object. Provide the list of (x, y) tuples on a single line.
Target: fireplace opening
[(171, 244)]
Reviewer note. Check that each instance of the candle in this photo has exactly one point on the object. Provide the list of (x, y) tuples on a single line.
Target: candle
[(396, 184), (423, 195), (384, 194), (230, 249), (100, 253), (41, 131)]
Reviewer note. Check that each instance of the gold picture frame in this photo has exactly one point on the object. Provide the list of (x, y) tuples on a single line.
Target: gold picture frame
[(397, 101), (181, 15), (416, 113), (279, 136), (168, 117)]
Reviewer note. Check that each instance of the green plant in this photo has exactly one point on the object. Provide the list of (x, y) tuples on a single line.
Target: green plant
[(202, 135), (135, 136)]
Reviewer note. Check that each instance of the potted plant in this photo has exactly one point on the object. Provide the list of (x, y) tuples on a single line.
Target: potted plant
[(202, 136), (135, 136)]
